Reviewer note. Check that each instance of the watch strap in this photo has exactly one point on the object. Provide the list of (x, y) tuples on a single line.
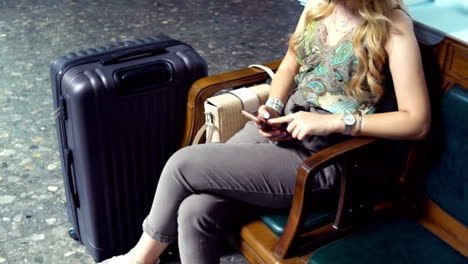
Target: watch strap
[(359, 123), (348, 129)]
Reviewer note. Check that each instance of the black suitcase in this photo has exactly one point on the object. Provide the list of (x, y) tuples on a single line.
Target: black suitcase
[(120, 115)]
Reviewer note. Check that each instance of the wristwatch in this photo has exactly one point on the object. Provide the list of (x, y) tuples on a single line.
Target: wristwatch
[(349, 120)]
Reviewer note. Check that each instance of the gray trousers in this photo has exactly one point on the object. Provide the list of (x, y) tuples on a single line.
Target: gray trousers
[(203, 189)]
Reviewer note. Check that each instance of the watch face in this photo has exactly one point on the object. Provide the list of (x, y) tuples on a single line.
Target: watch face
[(349, 119)]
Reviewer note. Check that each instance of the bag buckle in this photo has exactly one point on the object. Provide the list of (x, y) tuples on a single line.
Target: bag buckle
[(209, 118)]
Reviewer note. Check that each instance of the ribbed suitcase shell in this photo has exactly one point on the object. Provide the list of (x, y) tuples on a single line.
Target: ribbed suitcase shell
[(120, 115)]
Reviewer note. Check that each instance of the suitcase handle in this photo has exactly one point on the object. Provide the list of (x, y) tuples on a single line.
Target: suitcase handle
[(125, 55), (71, 178)]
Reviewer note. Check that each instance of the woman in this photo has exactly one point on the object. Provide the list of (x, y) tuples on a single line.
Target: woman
[(336, 58)]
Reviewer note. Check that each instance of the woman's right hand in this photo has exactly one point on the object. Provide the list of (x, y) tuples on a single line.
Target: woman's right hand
[(267, 112)]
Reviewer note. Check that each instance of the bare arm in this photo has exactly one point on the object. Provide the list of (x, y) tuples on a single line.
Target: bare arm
[(412, 119), (283, 83)]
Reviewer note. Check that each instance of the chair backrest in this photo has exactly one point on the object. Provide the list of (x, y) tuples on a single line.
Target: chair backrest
[(447, 178)]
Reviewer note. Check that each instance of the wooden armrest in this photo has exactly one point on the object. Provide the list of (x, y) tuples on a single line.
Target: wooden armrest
[(308, 169), (208, 86)]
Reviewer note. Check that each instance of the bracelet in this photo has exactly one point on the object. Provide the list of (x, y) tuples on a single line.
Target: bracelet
[(276, 104), (358, 128)]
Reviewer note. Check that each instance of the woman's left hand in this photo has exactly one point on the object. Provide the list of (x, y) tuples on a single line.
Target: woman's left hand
[(304, 124)]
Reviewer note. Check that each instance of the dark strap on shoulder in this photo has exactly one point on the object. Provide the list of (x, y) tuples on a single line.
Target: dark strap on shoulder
[(398, 6)]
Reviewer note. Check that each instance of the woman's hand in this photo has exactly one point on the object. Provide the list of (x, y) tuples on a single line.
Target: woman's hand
[(267, 112), (304, 124)]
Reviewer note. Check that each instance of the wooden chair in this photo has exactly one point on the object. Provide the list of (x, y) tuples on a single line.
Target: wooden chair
[(292, 238), (256, 236)]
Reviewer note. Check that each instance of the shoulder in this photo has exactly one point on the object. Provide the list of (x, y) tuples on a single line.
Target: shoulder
[(401, 29), (311, 4), (401, 23)]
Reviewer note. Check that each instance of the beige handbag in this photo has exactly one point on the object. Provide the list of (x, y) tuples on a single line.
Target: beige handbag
[(222, 112)]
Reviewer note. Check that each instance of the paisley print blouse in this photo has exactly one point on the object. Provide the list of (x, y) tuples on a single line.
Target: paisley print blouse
[(325, 71)]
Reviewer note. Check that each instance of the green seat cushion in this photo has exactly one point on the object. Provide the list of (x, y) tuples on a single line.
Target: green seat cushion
[(447, 178), (395, 241), (312, 220)]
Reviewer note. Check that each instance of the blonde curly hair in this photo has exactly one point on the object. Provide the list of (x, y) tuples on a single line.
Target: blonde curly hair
[(369, 38)]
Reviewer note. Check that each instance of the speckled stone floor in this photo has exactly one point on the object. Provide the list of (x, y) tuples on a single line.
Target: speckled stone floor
[(229, 34)]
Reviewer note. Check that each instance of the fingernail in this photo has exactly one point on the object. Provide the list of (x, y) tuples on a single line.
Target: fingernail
[(266, 115)]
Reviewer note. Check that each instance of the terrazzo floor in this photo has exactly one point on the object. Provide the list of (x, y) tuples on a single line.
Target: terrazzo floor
[(229, 34)]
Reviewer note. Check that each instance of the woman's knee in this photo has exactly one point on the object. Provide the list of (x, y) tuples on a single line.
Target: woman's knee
[(188, 157), (179, 158), (191, 165), (179, 162)]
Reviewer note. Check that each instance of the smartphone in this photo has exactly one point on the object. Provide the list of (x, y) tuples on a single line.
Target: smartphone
[(262, 121)]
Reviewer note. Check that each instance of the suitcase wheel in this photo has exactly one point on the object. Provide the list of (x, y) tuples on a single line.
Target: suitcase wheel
[(72, 234)]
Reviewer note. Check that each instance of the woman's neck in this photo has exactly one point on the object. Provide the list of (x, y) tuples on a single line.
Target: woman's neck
[(340, 22), (346, 14), (351, 5)]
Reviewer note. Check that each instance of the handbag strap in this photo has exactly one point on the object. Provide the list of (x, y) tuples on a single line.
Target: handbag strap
[(249, 99), (265, 68), (209, 127), (200, 133)]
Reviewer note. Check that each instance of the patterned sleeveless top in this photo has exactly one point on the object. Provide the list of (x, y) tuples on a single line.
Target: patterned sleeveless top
[(325, 71)]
